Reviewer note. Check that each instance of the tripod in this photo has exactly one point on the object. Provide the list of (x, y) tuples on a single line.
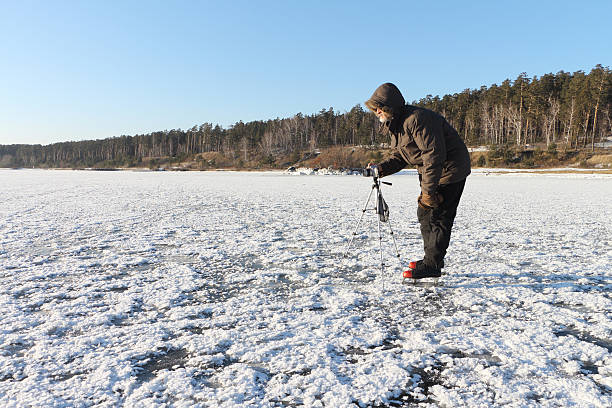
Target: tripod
[(382, 210)]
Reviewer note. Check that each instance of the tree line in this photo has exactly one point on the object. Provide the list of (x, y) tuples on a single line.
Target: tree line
[(573, 109)]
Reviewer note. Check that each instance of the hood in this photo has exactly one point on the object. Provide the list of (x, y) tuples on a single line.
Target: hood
[(386, 95)]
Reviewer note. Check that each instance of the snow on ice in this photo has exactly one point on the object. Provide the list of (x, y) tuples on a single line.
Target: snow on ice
[(229, 289)]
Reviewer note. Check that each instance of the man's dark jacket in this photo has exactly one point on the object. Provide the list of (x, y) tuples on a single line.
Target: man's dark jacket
[(423, 138)]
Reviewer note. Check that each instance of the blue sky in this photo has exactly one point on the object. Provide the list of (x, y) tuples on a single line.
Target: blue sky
[(75, 70)]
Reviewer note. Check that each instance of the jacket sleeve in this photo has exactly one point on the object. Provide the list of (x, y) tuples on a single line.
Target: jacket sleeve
[(392, 164), (430, 140)]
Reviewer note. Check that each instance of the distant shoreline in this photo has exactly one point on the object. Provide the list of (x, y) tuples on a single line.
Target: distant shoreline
[(310, 171)]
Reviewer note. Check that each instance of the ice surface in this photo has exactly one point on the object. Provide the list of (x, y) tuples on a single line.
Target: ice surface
[(228, 289)]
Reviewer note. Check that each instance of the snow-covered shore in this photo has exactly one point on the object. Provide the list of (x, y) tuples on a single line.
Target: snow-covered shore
[(228, 289), (565, 171)]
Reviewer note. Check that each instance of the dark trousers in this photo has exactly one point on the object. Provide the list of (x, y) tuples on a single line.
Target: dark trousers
[(436, 223)]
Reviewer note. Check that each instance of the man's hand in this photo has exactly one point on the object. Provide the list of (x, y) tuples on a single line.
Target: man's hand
[(429, 202)]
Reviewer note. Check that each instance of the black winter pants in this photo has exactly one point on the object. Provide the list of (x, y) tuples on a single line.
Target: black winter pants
[(436, 224)]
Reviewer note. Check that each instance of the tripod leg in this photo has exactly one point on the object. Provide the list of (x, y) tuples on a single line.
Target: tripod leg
[(382, 262), (365, 207), (395, 245)]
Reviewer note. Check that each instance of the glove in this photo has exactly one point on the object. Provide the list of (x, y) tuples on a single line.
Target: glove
[(429, 202), (370, 171)]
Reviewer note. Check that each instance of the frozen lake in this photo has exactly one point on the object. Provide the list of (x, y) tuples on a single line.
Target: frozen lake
[(228, 289)]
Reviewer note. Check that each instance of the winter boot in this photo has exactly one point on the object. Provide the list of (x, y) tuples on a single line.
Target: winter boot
[(420, 270)]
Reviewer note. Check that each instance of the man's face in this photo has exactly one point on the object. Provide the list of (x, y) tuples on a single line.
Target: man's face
[(382, 115)]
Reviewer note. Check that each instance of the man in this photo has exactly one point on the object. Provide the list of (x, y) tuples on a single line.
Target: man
[(426, 140)]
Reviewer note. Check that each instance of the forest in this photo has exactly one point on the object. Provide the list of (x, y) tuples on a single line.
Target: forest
[(563, 110)]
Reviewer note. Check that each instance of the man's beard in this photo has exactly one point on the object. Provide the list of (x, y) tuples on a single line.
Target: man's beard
[(382, 118)]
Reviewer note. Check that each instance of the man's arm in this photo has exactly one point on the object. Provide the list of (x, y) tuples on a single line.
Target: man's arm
[(392, 164)]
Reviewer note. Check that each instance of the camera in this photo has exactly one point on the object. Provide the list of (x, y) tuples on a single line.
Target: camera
[(371, 171)]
